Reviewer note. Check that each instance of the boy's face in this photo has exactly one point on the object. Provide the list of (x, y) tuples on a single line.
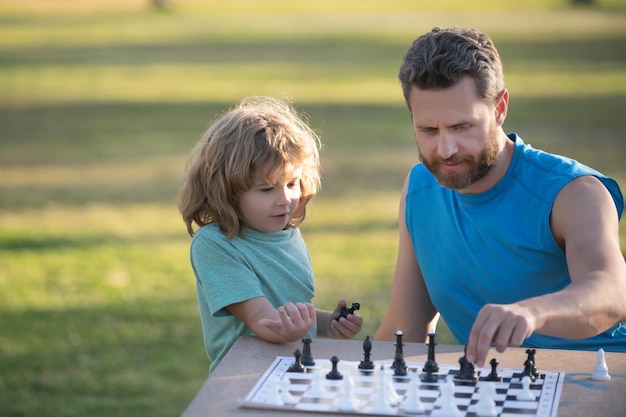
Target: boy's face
[(267, 206)]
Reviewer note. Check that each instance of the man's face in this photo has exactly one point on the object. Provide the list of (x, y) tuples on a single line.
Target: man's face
[(457, 134)]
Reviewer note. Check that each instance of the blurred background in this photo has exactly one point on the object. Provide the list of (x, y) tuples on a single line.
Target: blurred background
[(101, 101)]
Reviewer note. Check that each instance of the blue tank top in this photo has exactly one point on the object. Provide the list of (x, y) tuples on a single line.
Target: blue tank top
[(497, 246)]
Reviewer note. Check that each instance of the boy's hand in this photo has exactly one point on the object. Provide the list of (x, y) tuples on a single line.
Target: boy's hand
[(295, 321), (344, 327)]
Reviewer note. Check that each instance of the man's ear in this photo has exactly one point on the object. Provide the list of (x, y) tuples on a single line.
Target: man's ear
[(502, 106)]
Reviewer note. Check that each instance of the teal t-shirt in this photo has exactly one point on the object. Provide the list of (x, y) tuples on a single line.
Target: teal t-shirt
[(497, 246), (274, 265)]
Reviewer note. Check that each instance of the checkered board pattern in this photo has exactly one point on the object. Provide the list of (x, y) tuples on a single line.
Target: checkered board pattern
[(365, 386)]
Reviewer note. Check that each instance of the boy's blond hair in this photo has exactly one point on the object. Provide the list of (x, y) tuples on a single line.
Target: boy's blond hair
[(260, 135)]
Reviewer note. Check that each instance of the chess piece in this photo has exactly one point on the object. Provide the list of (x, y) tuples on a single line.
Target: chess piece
[(347, 402), (382, 404), (285, 395), (392, 395), (273, 393), (467, 371), (316, 388), (429, 376), (494, 376), (297, 365), (530, 369), (399, 366), (366, 363), (430, 363), (486, 405), (345, 311), (601, 371), (307, 359), (334, 373), (448, 407), (412, 403), (525, 394)]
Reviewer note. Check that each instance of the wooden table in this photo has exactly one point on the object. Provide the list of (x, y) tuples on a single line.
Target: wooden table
[(249, 357)]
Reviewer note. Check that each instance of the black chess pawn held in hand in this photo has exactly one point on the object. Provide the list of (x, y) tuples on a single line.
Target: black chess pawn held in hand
[(345, 311)]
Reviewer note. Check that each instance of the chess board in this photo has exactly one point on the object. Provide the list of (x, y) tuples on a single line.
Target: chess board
[(365, 387)]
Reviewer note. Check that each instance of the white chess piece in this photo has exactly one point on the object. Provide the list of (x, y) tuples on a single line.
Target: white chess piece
[(525, 394), (447, 402), (382, 405), (486, 405), (285, 395), (601, 371), (412, 403), (392, 395), (273, 393), (316, 388), (347, 402)]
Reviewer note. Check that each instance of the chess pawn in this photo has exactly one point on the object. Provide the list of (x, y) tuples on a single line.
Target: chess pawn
[(412, 403), (285, 395), (385, 390), (273, 394), (446, 402), (347, 402), (525, 394), (601, 371), (486, 405)]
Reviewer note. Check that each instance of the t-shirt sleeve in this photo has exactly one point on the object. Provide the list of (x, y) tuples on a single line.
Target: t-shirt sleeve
[(224, 276)]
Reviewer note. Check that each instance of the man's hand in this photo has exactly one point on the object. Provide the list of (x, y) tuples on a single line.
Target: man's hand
[(502, 324)]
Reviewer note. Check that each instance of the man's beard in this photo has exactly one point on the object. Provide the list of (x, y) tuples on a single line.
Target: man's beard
[(477, 168)]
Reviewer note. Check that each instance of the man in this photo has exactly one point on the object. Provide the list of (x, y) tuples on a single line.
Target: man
[(511, 245)]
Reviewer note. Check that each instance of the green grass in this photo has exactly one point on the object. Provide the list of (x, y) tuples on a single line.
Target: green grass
[(100, 101)]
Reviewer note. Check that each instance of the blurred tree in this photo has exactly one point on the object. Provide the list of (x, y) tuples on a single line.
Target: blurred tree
[(160, 4)]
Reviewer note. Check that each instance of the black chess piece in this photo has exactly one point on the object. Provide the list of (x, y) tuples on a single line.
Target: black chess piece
[(467, 370), (307, 358), (334, 373), (297, 365), (345, 311), (366, 363), (530, 369), (494, 375), (431, 364), (399, 365), (399, 345), (429, 376)]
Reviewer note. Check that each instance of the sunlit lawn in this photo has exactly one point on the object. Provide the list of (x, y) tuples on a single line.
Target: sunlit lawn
[(101, 101)]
